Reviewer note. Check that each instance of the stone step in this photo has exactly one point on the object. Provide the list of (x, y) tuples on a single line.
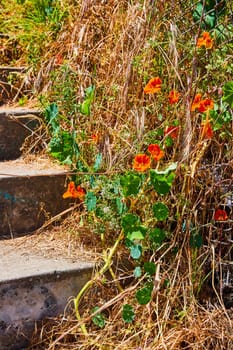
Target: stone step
[(15, 125), (32, 288), (30, 194), (12, 84)]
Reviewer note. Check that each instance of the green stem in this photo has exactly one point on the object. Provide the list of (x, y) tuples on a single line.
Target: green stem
[(106, 266)]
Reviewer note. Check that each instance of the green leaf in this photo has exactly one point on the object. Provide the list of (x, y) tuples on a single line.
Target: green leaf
[(150, 267), (218, 6), (221, 117), (228, 93), (129, 222), (161, 181), (98, 161), (222, 32), (157, 236), (171, 167), (161, 211), (98, 319), (196, 240), (84, 108), (168, 141), (210, 20), (137, 272), (90, 92), (90, 201), (197, 14), (52, 117), (128, 313), (205, 16), (121, 206), (63, 146), (136, 251), (208, 11), (143, 295), (135, 235), (130, 184)]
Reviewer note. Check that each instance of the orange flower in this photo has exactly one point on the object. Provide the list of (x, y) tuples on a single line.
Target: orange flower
[(153, 86), (206, 105), (95, 138), (72, 192), (196, 102), (202, 105), (207, 130), (58, 59), (174, 97), (155, 151), (141, 162), (205, 40), (220, 215), (81, 192), (172, 131)]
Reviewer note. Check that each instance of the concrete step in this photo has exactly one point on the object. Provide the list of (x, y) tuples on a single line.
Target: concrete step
[(30, 194), (12, 83), (15, 125), (32, 288)]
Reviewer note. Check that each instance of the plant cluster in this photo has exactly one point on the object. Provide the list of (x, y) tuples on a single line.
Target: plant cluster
[(139, 105)]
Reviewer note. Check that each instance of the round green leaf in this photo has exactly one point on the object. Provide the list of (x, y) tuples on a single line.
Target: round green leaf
[(98, 319), (143, 295), (90, 201), (136, 251), (135, 235), (161, 211), (128, 313), (137, 272), (196, 240), (228, 93), (150, 267), (129, 221), (157, 235), (130, 184)]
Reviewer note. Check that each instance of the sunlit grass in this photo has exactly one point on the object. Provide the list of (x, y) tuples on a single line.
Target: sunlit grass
[(118, 47)]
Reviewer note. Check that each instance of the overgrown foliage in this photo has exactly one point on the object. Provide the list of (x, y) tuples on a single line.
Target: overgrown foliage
[(138, 99)]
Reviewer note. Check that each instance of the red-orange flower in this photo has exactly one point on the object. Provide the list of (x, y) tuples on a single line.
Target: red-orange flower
[(196, 102), (58, 59), (81, 192), (153, 86), (155, 151), (172, 131), (205, 40), (202, 105), (95, 138), (174, 97), (72, 192), (206, 105), (220, 215), (141, 162), (207, 131)]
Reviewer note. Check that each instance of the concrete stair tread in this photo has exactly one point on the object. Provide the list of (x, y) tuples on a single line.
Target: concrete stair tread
[(30, 193), (16, 124), (36, 286), (21, 264), (36, 167), (8, 110)]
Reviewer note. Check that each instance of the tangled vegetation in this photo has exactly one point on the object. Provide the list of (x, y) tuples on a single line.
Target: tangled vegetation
[(137, 98)]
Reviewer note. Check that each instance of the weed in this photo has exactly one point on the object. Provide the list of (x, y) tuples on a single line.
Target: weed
[(139, 103)]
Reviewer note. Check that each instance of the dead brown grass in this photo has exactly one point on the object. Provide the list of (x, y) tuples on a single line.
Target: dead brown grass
[(117, 45)]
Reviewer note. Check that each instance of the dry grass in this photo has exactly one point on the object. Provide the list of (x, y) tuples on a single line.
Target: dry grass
[(118, 45)]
